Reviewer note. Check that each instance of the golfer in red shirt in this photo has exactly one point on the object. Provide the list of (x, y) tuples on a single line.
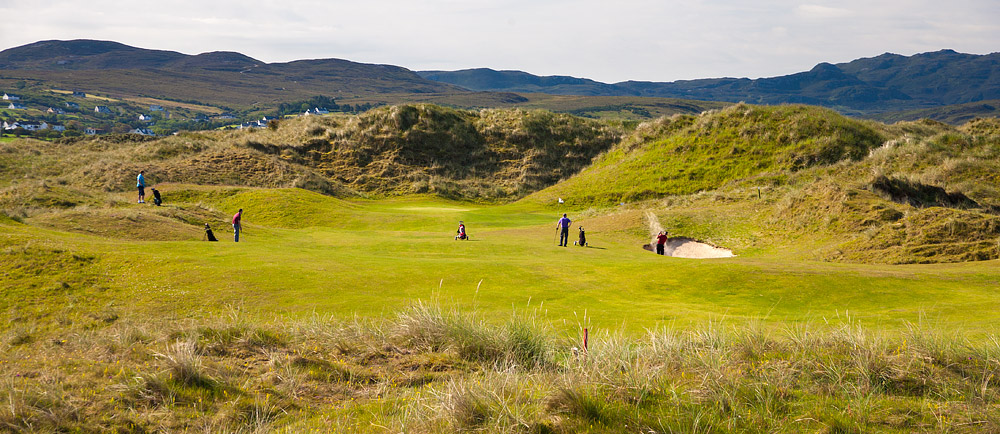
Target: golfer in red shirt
[(661, 239), (236, 224)]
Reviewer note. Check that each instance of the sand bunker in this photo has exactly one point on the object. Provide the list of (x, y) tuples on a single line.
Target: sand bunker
[(683, 247), (680, 247)]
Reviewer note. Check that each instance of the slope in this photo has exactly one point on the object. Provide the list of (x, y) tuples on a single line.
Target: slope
[(686, 154), (803, 182), (490, 154)]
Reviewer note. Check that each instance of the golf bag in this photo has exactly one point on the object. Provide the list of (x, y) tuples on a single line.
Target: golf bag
[(156, 197), (583, 238)]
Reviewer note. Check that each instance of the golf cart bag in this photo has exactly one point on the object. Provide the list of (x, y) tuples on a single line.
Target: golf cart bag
[(156, 197), (583, 238)]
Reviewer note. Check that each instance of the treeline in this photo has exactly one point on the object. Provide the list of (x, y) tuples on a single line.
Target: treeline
[(322, 102)]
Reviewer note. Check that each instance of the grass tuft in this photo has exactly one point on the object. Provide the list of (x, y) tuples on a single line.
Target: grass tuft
[(185, 365)]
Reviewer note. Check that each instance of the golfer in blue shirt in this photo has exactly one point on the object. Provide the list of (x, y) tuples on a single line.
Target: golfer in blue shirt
[(563, 226), (140, 183)]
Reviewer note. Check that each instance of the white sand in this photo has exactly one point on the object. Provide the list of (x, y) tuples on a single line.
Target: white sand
[(688, 248), (682, 247)]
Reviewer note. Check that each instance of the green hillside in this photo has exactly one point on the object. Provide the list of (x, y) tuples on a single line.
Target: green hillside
[(681, 155)]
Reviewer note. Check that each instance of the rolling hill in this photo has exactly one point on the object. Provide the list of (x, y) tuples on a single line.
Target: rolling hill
[(232, 82), (217, 78), (868, 87), (888, 82)]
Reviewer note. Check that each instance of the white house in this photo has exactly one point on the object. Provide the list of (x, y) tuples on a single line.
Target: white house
[(11, 97), (16, 106), (102, 109), (32, 126), (57, 111), (59, 128), (145, 117), (143, 131), (73, 105), (321, 111), (91, 131)]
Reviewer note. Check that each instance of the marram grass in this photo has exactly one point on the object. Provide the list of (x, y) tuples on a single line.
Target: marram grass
[(414, 372)]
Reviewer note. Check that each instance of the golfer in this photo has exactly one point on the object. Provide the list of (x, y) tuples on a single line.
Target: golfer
[(236, 225), (661, 239), (563, 226), (140, 183)]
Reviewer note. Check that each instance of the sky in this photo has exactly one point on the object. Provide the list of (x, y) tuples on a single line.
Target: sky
[(604, 40)]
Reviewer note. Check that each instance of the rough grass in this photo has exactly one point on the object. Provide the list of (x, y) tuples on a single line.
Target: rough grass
[(927, 236), (396, 375), (147, 223), (490, 154)]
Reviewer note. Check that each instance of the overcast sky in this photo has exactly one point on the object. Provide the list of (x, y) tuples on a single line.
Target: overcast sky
[(605, 40)]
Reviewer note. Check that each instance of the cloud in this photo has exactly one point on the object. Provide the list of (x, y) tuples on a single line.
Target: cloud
[(607, 41), (822, 12)]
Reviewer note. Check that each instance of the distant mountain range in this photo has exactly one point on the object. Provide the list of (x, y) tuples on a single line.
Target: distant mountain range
[(233, 81), (888, 82), (225, 78)]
